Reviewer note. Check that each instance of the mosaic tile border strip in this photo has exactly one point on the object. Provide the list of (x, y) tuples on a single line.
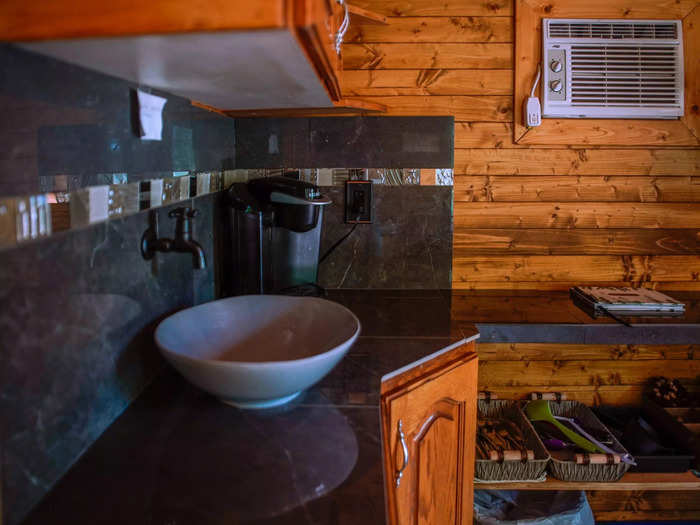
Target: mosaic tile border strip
[(65, 206)]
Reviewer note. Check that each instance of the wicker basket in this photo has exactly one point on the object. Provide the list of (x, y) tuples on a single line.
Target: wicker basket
[(488, 470), (569, 470)]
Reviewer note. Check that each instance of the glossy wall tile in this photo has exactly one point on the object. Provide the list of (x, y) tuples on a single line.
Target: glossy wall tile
[(76, 337)]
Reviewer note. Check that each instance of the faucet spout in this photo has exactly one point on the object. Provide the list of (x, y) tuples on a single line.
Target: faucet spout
[(182, 243), (199, 260)]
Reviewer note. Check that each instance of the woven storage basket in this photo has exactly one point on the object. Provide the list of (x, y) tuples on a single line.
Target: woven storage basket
[(569, 470), (488, 470)]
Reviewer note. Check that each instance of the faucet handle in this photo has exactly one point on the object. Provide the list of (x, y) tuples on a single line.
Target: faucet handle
[(184, 212)]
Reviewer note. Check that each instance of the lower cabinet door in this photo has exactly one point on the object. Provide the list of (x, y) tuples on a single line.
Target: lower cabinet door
[(428, 421)]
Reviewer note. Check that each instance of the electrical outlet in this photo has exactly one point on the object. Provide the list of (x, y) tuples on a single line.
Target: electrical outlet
[(358, 201)]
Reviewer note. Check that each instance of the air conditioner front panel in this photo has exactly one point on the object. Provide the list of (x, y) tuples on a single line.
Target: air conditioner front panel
[(612, 69)]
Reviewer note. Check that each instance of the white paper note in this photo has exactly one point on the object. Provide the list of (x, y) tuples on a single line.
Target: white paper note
[(151, 115)]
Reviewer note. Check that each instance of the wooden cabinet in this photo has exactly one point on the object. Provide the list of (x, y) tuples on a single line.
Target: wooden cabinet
[(428, 421), (237, 55)]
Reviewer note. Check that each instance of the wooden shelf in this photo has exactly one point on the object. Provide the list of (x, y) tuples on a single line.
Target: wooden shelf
[(630, 481)]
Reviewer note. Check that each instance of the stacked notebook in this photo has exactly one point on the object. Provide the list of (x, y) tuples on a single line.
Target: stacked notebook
[(597, 301)]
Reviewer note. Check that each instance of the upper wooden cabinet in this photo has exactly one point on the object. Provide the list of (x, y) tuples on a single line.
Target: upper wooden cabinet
[(230, 55), (428, 413)]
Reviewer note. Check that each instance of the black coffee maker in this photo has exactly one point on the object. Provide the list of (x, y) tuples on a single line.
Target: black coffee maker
[(276, 234)]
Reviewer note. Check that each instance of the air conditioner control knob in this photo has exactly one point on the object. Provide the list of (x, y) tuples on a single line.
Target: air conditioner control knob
[(556, 85), (555, 65)]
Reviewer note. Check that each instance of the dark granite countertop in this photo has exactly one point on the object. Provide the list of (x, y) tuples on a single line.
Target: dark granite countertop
[(179, 456)]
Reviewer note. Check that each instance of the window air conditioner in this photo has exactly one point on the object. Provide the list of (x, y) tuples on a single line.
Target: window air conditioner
[(612, 68)]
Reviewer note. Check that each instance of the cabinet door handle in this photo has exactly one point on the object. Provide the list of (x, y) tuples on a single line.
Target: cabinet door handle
[(402, 440)]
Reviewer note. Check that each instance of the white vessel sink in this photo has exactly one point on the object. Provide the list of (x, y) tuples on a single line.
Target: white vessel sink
[(257, 351)]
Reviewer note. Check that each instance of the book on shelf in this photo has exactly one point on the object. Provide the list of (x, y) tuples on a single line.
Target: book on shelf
[(599, 301)]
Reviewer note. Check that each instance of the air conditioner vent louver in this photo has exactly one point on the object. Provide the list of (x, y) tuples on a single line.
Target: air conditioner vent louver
[(615, 30), (613, 68)]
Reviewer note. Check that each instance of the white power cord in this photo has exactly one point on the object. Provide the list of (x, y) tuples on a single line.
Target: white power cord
[(343, 28), (532, 109)]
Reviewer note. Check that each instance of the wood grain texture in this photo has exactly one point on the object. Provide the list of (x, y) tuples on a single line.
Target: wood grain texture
[(572, 242), (434, 405), (429, 8), (496, 108), (392, 82), (427, 56), (457, 29), (573, 268), (581, 373), (563, 286), (607, 132), (564, 188), (583, 352), (691, 37), (21, 21), (577, 162), (591, 395), (643, 500), (577, 215)]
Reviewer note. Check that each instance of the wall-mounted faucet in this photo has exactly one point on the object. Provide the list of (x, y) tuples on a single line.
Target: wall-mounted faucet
[(182, 243)]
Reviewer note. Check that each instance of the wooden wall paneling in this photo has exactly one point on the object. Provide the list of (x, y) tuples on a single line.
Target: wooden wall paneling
[(572, 242), (691, 32), (528, 38), (591, 395), (565, 188), (496, 108), (393, 82), (428, 8), (533, 374), (434, 29), (429, 56), (572, 268), (563, 286), (582, 352), (673, 162), (577, 215)]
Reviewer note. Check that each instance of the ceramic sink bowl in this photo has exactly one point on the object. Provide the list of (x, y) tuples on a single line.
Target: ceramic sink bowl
[(257, 351)]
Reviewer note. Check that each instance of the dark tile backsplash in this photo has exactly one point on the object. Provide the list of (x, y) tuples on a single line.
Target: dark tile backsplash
[(61, 119), (408, 245), (76, 329), (79, 308), (353, 142)]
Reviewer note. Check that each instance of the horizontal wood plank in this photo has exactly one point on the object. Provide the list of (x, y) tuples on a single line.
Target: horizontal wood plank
[(565, 188), (590, 395), (581, 352), (581, 373), (429, 8), (577, 162), (609, 132), (577, 241), (649, 515), (427, 56), (456, 29), (496, 108), (582, 268), (511, 286), (644, 501), (490, 135), (577, 215), (393, 82)]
